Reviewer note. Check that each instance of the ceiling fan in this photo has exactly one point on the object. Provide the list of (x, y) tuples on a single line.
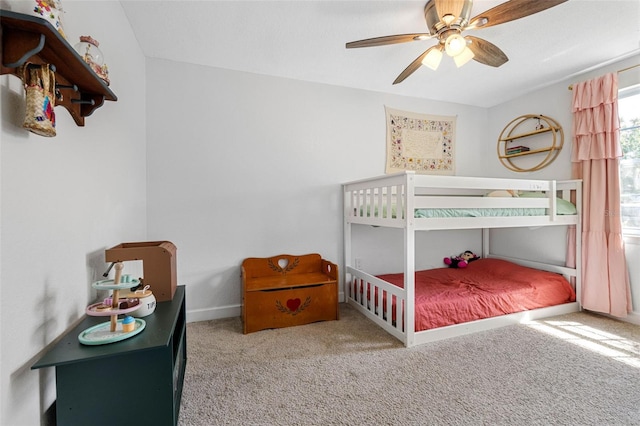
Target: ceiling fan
[(446, 20)]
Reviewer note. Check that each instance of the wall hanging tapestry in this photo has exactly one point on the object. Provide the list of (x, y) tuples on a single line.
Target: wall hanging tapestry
[(419, 142)]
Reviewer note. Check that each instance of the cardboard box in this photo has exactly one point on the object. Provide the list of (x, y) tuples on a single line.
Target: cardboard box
[(158, 263)]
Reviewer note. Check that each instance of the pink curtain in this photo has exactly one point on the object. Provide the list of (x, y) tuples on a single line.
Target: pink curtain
[(595, 156)]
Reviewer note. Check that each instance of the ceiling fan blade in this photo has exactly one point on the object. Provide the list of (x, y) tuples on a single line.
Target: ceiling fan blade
[(392, 39), (413, 66), (485, 52), (512, 10), (449, 7)]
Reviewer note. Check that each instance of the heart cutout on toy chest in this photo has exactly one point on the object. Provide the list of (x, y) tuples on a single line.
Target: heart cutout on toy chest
[(293, 304), (283, 263)]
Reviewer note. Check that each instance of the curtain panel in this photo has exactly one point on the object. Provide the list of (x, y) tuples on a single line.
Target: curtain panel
[(595, 159)]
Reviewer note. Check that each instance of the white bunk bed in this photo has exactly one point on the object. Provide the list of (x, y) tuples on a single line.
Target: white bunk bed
[(367, 201)]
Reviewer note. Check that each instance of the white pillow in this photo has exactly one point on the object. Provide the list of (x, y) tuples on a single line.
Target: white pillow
[(502, 193)]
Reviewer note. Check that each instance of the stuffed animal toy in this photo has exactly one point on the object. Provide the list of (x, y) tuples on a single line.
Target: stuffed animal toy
[(462, 260)]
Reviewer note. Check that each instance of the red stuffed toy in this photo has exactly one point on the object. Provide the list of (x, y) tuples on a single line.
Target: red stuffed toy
[(461, 261)]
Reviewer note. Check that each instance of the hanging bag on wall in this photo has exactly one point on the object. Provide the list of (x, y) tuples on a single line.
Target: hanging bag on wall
[(39, 83)]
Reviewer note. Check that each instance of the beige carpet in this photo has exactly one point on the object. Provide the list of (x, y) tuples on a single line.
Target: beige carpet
[(350, 372)]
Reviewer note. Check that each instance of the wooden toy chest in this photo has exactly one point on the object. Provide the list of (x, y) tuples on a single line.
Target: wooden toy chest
[(288, 290)]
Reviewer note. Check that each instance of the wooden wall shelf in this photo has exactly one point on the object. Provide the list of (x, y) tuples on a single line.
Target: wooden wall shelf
[(27, 38), (529, 126)]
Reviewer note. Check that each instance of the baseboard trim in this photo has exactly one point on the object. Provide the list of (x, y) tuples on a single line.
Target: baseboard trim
[(196, 315), (633, 317)]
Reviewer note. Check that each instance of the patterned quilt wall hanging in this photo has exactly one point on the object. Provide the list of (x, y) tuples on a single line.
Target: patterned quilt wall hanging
[(419, 142)]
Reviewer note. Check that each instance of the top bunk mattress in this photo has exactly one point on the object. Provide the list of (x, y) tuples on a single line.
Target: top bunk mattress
[(563, 207), (483, 212)]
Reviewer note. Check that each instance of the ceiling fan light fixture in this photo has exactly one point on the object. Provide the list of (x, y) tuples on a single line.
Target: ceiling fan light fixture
[(462, 58), (432, 59), (455, 45), (446, 21)]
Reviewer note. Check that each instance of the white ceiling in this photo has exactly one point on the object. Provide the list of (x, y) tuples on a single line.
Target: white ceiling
[(305, 40)]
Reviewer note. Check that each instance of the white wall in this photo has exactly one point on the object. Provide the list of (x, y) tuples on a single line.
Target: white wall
[(243, 165), (64, 201)]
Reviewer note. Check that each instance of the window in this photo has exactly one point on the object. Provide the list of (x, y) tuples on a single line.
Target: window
[(629, 113)]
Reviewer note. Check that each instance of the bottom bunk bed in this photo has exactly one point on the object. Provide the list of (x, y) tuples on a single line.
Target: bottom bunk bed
[(489, 288), (489, 293), (428, 305)]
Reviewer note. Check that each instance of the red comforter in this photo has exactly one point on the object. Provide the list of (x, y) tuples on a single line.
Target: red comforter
[(486, 288)]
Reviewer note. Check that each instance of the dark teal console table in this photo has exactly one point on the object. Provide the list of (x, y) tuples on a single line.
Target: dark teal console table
[(137, 381)]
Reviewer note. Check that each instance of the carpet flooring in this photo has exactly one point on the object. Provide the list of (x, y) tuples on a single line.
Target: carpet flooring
[(576, 369)]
